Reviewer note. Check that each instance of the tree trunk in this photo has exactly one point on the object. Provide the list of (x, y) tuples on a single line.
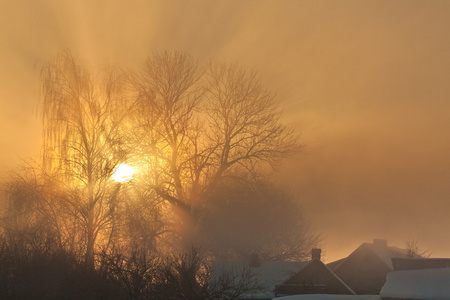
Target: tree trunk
[(90, 226), (90, 240)]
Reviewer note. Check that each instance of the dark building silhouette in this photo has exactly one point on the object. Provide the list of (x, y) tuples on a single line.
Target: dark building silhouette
[(365, 269), (314, 278), (408, 263)]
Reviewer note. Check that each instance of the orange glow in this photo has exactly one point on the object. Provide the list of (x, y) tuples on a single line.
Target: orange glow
[(364, 83), (123, 173)]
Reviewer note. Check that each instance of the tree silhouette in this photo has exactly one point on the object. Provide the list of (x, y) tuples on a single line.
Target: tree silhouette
[(83, 119), (201, 139), (201, 125)]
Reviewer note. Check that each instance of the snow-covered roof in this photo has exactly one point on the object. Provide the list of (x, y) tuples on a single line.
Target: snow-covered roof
[(384, 252), (432, 284), (330, 297), (269, 273), (387, 253)]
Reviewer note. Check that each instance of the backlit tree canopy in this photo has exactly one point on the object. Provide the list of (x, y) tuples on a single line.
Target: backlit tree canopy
[(185, 131), (201, 124), (84, 140), (148, 174)]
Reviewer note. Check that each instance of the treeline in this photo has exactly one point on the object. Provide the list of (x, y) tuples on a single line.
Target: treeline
[(45, 272), (201, 139)]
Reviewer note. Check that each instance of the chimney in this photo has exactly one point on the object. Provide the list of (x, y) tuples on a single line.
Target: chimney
[(315, 253), (380, 243), (254, 260)]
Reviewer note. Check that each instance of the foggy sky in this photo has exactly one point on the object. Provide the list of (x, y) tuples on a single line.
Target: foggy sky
[(365, 82)]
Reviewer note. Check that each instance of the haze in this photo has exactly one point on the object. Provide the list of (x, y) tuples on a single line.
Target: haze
[(365, 82)]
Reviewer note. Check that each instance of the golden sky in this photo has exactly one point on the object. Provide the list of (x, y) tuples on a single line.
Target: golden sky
[(365, 82)]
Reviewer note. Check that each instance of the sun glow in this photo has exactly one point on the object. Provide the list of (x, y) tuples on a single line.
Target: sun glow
[(123, 173)]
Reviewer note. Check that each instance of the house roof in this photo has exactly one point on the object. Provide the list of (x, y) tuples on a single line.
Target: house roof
[(269, 273), (318, 263), (417, 263), (382, 251), (335, 264), (432, 284), (387, 253), (365, 269), (339, 279)]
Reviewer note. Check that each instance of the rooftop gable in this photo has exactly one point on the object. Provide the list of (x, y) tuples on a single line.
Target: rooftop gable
[(382, 251), (365, 269), (315, 277)]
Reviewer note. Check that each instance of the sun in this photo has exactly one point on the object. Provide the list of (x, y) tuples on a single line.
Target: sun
[(123, 173)]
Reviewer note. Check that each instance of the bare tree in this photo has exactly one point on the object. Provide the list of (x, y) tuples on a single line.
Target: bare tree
[(188, 275), (31, 213), (201, 125), (135, 270), (194, 129), (413, 250), (38, 256), (83, 116)]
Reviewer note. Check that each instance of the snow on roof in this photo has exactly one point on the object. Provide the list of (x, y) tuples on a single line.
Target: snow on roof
[(330, 297), (432, 284), (385, 253), (269, 273)]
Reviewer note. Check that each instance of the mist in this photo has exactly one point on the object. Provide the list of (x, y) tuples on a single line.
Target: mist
[(365, 83)]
